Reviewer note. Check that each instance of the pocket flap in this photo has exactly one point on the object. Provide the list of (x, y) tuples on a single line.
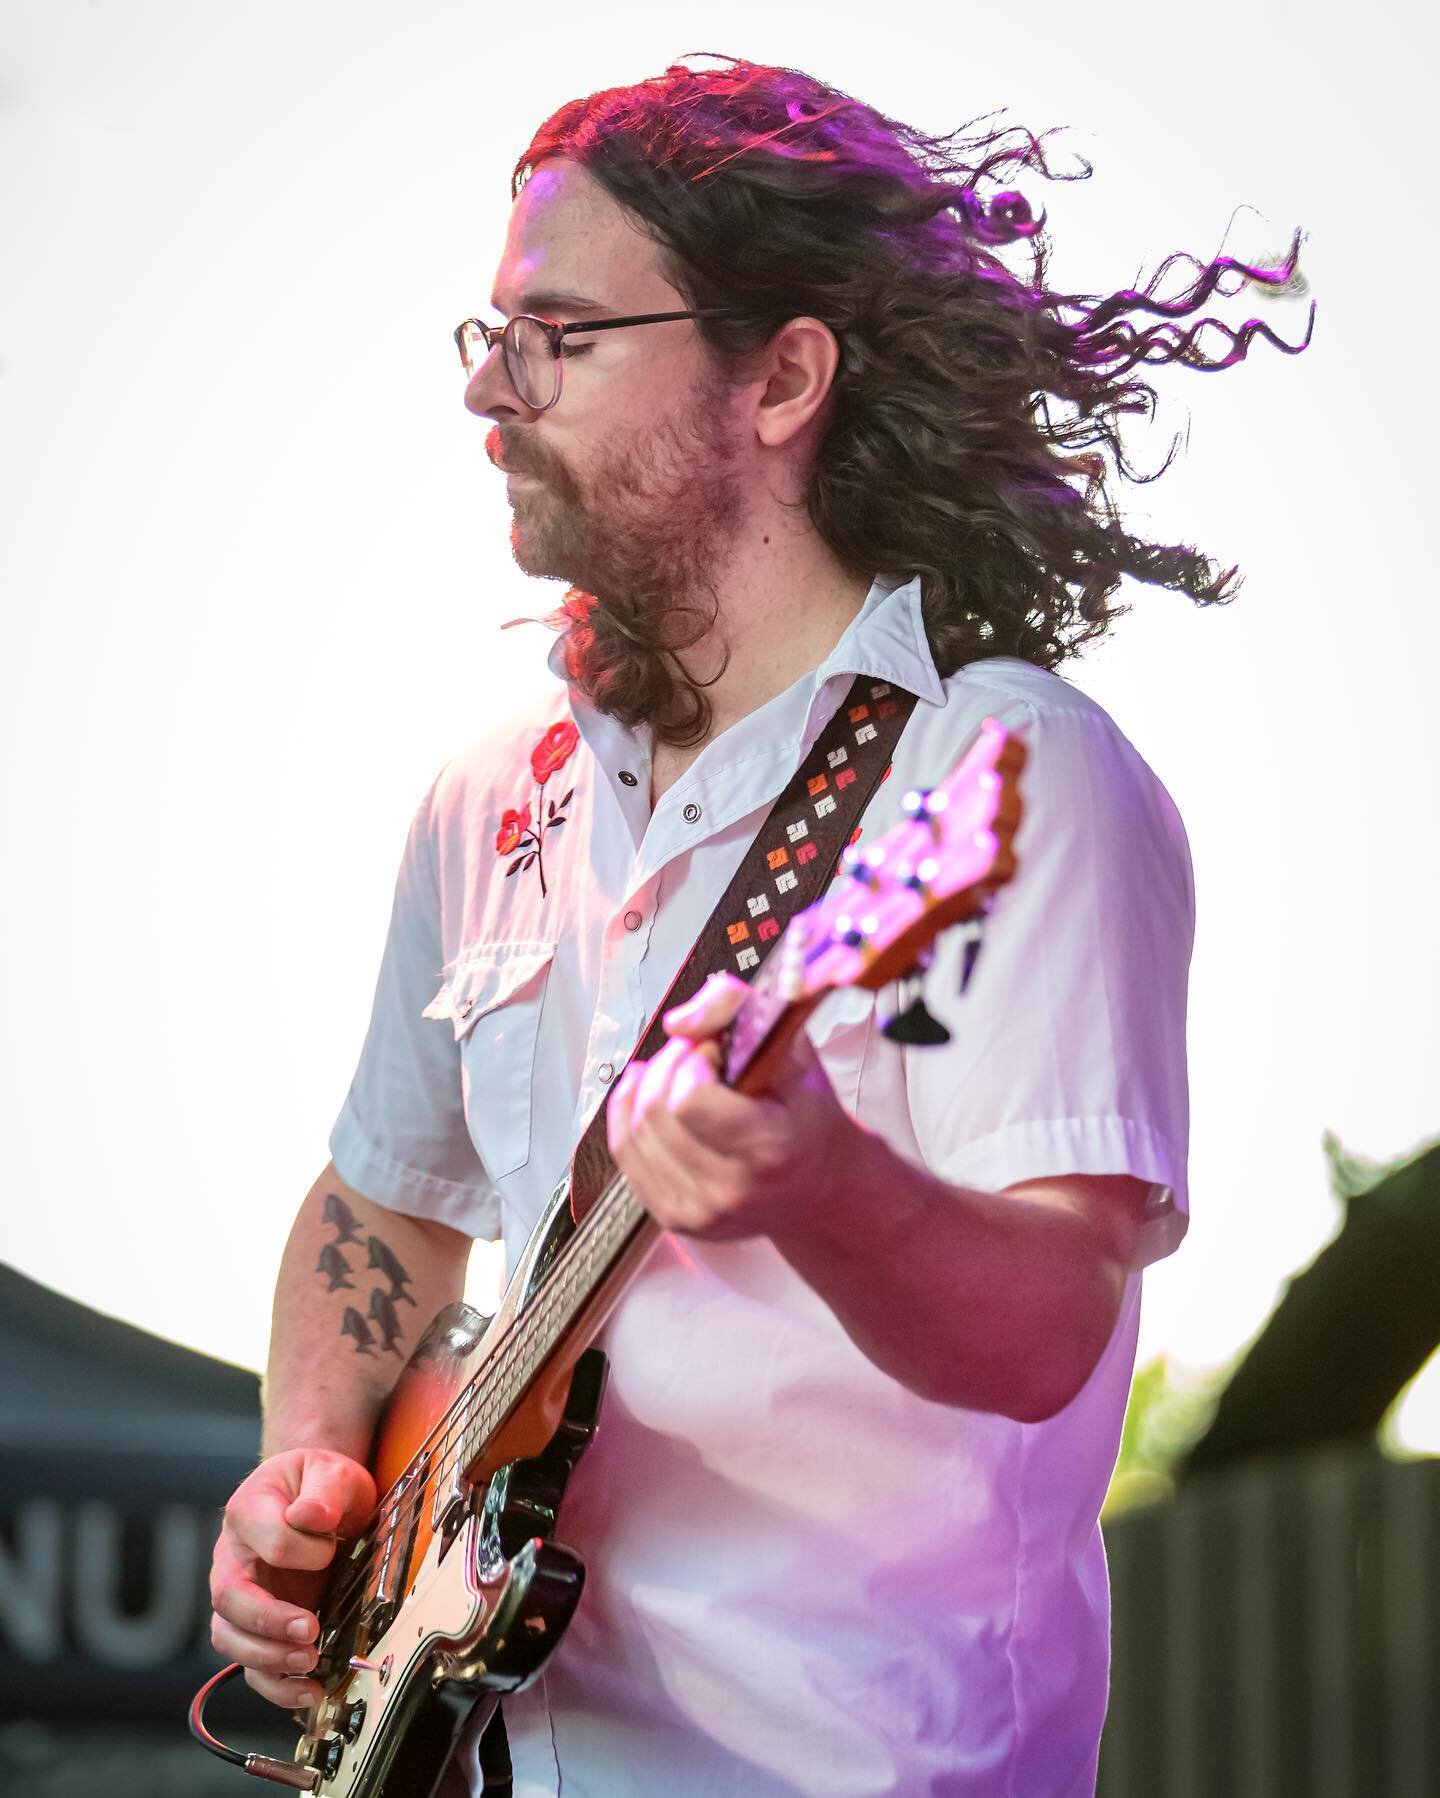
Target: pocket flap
[(484, 976)]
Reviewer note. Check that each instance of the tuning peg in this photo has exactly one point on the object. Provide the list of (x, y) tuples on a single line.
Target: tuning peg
[(924, 805), (915, 1026)]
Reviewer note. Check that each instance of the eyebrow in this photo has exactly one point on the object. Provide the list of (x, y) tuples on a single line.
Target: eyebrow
[(551, 301)]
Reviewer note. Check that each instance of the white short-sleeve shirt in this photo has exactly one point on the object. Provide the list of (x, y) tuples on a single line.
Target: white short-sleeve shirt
[(801, 1577)]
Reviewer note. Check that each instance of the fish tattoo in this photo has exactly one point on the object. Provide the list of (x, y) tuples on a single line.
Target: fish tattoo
[(338, 1213), (335, 1267), (386, 1319), (358, 1330), (381, 1257)]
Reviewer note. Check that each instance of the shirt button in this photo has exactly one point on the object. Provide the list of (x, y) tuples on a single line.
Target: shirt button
[(465, 1007), (691, 812), (628, 778), (633, 920), (606, 1071)]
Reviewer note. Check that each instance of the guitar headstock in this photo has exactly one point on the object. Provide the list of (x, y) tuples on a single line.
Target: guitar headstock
[(941, 866)]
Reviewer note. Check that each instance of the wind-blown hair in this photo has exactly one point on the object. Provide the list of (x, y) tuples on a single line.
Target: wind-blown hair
[(975, 414)]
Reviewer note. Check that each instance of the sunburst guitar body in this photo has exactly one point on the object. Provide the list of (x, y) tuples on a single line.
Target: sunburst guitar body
[(455, 1594)]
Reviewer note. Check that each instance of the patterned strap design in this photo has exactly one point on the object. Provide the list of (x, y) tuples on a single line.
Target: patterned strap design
[(786, 868)]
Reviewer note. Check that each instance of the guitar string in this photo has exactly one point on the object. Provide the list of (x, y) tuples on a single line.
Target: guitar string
[(403, 1497), (466, 1408), (411, 1491), (467, 1411), (464, 1411)]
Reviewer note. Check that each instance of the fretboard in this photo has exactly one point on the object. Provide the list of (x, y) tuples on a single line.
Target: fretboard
[(609, 1229)]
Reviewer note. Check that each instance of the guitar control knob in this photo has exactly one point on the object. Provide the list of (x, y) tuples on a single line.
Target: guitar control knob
[(352, 1719), (325, 1756)]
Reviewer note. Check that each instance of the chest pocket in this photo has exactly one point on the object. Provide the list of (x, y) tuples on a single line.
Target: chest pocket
[(492, 998)]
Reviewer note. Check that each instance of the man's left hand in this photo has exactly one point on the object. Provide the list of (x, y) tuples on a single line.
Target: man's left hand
[(707, 1161)]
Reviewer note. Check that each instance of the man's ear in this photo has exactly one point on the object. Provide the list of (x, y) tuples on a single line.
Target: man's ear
[(798, 369)]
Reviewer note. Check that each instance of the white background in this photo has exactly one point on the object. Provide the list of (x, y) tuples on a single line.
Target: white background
[(254, 561)]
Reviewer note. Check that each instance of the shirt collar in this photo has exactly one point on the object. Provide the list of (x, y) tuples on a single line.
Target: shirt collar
[(885, 639), (750, 762)]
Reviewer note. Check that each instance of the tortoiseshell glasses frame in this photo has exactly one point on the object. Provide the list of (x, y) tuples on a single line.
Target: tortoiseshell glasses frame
[(521, 336)]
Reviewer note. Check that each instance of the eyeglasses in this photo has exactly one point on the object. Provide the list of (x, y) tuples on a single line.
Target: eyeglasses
[(532, 348)]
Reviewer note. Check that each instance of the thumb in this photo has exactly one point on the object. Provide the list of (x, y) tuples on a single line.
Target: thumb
[(336, 1496)]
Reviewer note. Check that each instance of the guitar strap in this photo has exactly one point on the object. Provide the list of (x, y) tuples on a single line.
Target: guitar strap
[(787, 867)]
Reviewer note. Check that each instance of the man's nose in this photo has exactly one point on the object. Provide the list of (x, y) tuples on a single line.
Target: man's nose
[(490, 393)]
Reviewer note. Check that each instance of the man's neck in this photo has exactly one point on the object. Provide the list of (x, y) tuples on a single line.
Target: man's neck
[(773, 635), (778, 618), (782, 607)]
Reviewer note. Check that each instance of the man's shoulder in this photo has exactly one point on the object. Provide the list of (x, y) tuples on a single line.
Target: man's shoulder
[(1044, 708), (499, 761), (1075, 744), (1020, 692)]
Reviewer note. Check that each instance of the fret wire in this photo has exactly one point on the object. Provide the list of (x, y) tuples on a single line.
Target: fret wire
[(475, 1415), (536, 1330), (613, 1214), (535, 1327)]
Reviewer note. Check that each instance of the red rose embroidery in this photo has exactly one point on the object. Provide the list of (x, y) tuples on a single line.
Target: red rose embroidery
[(516, 829), (512, 830), (553, 750)]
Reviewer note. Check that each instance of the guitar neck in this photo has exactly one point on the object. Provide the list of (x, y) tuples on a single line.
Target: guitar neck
[(563, 1316), (940, 867), (608, 1246)]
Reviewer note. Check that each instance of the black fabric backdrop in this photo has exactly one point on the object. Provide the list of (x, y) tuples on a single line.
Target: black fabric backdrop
[(117, 1450)]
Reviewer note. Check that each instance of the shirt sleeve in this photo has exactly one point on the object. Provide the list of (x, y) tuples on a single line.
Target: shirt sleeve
[(401, 1137), (1068, 1047)]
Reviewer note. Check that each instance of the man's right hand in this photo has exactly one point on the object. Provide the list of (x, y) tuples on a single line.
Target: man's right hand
[(268, 1573)]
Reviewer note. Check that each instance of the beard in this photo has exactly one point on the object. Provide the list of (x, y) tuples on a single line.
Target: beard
[(638, 537)]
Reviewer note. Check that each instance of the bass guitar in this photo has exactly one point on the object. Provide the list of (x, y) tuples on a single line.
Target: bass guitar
[(457, 1592)]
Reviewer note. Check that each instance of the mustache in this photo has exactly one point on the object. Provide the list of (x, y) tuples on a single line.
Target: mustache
[(512, 455)]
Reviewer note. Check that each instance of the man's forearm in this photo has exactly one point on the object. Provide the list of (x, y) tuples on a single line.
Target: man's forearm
[(357, 1287), (988, 1300)]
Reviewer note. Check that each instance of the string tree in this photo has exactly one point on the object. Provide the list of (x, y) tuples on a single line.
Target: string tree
[(915, 1026)]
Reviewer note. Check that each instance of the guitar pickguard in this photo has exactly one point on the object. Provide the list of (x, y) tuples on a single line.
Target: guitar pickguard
[(471, 1594)]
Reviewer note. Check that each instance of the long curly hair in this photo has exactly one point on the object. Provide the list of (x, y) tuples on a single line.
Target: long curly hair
[(974, 427)]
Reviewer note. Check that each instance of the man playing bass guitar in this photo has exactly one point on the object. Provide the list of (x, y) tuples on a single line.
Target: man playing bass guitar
[(773, 403)]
